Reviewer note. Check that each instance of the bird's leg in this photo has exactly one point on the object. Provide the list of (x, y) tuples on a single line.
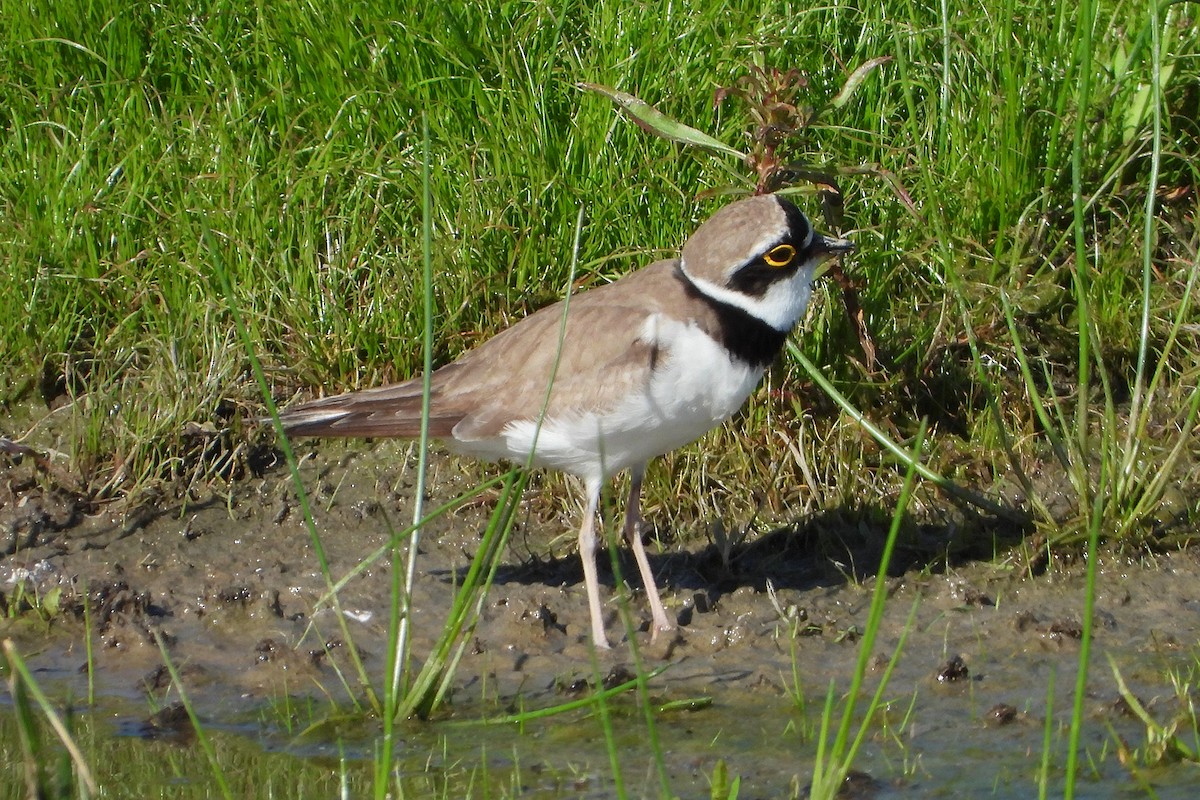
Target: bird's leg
[(633, 517), (587, 553)]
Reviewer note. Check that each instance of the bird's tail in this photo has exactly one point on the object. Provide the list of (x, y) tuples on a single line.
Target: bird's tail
[(389, 411)]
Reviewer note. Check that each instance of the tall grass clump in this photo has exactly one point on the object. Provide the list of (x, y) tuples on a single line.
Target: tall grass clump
[(1067, 324), (1101, 439)]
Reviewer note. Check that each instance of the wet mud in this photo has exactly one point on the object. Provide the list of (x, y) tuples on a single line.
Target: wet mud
[(233, 589)]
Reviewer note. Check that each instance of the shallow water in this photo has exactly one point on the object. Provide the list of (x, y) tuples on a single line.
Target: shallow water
[(235, 590)]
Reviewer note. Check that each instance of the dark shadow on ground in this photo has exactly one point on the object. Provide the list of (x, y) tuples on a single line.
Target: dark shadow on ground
[(825, 550)]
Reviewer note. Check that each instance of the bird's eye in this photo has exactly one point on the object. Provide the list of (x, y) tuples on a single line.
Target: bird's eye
[(780, 255)]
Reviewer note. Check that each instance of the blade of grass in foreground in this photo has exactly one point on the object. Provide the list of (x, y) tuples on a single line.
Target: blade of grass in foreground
[(426, 387), (833, 761), (1043, 774), (20, 681), (214, 763), (1139, 373), (398, 656), (1083, 59), (595, 699), (433, 682)]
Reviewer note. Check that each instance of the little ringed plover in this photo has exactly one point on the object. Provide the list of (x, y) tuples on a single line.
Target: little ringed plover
[(644, 365)]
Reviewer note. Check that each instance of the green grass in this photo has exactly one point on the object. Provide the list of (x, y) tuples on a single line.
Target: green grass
[(172, 767), (1022, 190), (294, 136)]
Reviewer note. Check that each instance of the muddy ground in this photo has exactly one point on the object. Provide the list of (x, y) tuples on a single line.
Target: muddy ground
[(233, 586)]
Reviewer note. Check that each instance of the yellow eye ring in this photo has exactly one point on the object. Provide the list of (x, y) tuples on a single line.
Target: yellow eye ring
[(780, 255)]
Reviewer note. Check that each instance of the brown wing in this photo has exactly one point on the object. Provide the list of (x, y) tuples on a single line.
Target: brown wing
[(603, 357), (601, 360)]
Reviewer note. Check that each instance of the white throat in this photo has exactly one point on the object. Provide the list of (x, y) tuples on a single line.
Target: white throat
[(781, 306)]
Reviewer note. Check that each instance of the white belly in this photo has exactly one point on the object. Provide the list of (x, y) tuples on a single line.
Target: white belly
[(696, 388)]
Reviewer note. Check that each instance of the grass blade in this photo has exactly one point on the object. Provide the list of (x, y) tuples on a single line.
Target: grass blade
[(905, 457), (21, 672), (829, 775), (651, 120), (855, 80), (214, 763)]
